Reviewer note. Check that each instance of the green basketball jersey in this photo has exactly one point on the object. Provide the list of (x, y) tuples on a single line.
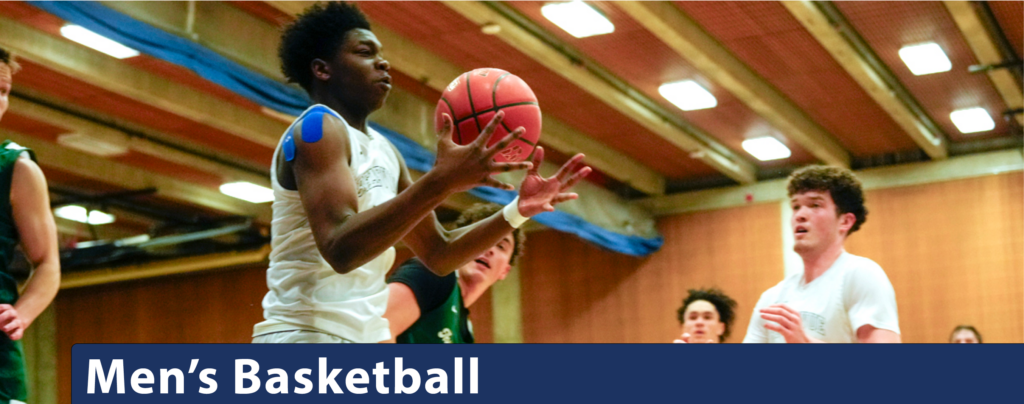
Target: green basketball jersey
[(441, 321), (12, 361)]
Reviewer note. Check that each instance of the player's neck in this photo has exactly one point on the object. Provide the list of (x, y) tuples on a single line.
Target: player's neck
[(471, 289), (354, 117), (817, 262)]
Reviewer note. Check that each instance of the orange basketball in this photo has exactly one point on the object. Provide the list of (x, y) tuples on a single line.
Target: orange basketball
[(474, 97)]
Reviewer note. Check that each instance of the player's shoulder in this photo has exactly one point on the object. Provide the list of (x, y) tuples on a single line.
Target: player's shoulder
[(855, 266), (317, 121)]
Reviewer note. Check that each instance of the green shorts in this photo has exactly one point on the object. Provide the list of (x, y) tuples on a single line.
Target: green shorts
[(13, 385)]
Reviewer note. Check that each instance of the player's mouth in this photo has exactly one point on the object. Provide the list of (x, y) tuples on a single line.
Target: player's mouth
[(386, 81), (483, 262), (800, 231)]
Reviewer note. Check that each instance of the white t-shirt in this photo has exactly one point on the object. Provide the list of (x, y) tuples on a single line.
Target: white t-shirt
[(305, 291), (852, 293)]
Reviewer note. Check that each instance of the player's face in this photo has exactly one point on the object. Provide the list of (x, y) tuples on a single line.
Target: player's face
[(702, 322), (493, 264), (359, 72), (964, 337), (5, 87), (816, 223)]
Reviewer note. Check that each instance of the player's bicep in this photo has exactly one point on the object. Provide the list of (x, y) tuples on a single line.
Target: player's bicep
[(324, 180), (30, 205), (868, 334), (403, 310)]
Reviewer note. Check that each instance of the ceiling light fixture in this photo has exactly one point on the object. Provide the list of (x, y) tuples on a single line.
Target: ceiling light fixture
[(82, 215), (97, 42), (247, 191), (577, 18), (925, 58), (687, 95), (766, 148), (972, 120)]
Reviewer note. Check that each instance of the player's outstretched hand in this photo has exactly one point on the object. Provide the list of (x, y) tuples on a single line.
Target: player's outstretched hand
[(11, 323), (463, 167), (785, 320), (538, 194)]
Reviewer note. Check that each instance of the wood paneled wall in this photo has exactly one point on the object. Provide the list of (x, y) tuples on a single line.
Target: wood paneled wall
[(954, 252), (575, 292)]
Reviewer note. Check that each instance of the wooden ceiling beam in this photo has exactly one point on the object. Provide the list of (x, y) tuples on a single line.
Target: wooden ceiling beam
[(985, 49), (42, 113), (818, 25), (686, 37), (110, 74), (511, 33), (131, 177)]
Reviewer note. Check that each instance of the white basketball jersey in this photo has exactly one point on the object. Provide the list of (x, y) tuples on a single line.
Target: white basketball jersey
[(305, 292)]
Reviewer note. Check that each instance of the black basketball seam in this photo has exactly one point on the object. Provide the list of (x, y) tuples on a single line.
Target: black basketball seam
[(472, 109), (452, 110), (514, 104), (494, 99)]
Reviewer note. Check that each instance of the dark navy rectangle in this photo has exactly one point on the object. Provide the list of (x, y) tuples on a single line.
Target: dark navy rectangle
[(597, 373)]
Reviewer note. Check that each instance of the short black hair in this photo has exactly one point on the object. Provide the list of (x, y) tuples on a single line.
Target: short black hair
[(844, 188), (316, 34), (965, 327), (481, 211), (724, 304), (8, 59)]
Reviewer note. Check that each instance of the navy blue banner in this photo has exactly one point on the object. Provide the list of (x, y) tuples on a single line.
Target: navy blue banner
[(229, 373)]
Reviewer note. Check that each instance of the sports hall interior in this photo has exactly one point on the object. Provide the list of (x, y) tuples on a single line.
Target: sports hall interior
[(150, 142)]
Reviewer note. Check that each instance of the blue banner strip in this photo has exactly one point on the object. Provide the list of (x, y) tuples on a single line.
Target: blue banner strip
[(275, 95), (591, 373)]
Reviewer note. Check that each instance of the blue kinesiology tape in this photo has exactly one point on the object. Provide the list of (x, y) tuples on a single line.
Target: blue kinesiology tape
[(312, 131)]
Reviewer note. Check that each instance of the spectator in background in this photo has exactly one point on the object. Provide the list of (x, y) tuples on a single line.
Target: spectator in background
[(706, 316), (965, 334)]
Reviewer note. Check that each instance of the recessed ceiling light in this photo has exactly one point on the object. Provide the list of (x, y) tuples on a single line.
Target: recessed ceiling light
[(925, 58), (972, 120), (247, 191), (766, 148), (577, 18), (687, 95), (97, 42), (82, 215)]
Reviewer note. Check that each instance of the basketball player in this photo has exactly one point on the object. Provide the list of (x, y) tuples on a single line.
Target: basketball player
[(24, 216), (965, 334), (706, 316), (839, 297), (343, 196), (425, 308)]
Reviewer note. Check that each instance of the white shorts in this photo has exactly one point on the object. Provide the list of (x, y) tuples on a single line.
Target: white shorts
[(299, 337)]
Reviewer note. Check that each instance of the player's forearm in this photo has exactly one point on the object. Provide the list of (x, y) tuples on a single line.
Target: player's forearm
[(365, 235), (466, 244), (40, 291)]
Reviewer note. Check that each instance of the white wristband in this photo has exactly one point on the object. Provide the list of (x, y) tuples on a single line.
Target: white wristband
[(512, 215)]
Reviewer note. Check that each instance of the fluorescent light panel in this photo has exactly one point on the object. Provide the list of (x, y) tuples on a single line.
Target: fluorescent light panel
[(766, 148), (247, 191), (972, 120), (577, 18), (925, 58), (687, 95), (82, 215), (97, 42)]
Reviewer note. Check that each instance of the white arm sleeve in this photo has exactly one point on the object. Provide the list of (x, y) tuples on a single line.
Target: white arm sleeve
[(870, 299), (756, 333)]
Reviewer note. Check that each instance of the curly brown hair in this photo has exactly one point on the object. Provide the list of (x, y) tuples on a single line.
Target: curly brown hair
[(844, 188), (8, 59), (724, 304), (482, 211), (316, 34)]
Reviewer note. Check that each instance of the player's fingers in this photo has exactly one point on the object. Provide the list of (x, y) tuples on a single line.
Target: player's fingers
[(17, 334), (485, 134), (505, 141), (505, 167), (782, 321), (538, 157), (564, 197), (579, 175), (491, 182), (775, 327), (568, 168)]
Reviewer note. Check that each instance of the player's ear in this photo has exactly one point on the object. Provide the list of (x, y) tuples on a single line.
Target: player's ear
[(846, 221), (321, 70), (504, 273)]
